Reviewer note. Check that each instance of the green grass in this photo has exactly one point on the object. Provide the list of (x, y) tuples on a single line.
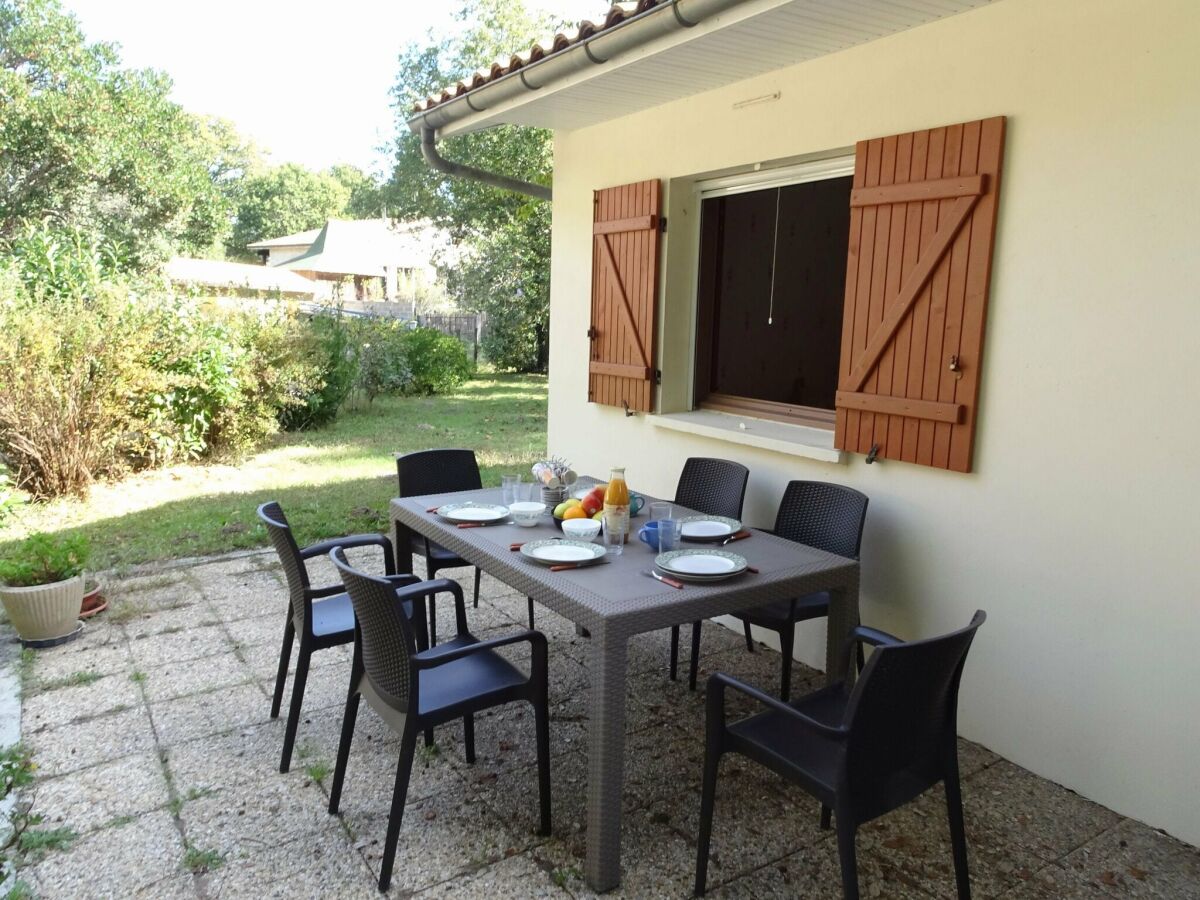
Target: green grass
[(72, 680), (330, 482), (200, 861)]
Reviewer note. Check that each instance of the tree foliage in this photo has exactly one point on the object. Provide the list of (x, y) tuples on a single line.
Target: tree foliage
[(103, 147), (505, 265), (285, 200)]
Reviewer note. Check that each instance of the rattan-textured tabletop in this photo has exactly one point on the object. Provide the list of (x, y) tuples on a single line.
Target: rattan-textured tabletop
[(615, 600)]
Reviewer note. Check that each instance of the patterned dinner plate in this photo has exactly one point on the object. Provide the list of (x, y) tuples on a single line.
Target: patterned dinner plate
[(708, 528), (701, 565), (473, 512), (559, 552)]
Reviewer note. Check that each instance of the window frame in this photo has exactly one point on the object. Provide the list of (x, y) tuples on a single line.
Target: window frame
[(840, 165)]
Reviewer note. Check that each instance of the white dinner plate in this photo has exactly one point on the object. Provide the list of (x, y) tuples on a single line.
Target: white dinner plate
[(473, 512), (708, 528), (557, 552)]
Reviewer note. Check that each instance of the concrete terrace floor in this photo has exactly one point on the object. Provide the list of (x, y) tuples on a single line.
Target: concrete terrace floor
[(166, 767)]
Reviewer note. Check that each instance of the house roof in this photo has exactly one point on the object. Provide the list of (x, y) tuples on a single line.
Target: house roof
[(365, 247), (241, 276), (300, 239), (650, 52)]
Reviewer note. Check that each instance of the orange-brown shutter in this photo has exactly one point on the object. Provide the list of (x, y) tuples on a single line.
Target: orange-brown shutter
[(625, 240), (922, 223)]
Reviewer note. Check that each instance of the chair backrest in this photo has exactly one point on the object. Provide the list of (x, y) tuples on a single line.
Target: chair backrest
[(715, 487), (385, 635), (437, 472), (280, 533), (902, 718), (827, 516)]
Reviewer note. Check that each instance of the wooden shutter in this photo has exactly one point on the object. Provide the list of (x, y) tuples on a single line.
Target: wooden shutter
[(922, 224), (625, 240)]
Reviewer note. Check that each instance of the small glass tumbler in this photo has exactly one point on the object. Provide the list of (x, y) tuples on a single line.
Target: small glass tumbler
[(614, 539), (669, 534), (510, 486), (659, 510)]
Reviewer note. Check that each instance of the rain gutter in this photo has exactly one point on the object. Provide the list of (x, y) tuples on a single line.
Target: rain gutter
[(609, 46)]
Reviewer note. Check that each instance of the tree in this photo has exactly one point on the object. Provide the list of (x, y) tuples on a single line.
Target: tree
[(498, 230), (366, 196), (285, 200), (100, 147)]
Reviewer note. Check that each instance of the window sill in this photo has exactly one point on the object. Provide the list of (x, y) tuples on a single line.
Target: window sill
[(794, 440)]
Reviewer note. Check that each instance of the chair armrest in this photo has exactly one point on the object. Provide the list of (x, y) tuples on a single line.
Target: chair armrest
[(535, 638), (874, 637), (403, 580), (322, 548), (716, 700)]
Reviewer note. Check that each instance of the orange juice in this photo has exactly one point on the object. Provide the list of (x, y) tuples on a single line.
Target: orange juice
[(616, 503)]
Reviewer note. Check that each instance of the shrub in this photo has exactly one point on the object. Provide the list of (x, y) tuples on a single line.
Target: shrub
[(44, 559), (9, 498), (330, 345), (438, 362), (382, 358)]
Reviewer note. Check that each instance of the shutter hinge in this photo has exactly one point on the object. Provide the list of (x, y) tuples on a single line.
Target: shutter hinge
[(658, 376), (592, 333), (662, 224)]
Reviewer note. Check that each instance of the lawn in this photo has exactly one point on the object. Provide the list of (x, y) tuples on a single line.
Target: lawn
[(330, 482)]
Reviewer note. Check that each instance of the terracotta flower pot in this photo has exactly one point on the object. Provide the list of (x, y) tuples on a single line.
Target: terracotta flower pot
[(44, 612), (93, 600)]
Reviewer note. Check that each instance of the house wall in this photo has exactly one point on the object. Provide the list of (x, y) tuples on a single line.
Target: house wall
[(277, 256), (1078, 530)]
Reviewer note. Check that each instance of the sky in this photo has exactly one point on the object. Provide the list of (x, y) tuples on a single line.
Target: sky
[(308, 82)]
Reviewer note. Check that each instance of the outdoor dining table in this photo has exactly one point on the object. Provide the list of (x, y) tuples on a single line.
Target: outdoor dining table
[(616, 600)]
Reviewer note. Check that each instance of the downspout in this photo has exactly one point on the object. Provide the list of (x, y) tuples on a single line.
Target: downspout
[(494, 179)]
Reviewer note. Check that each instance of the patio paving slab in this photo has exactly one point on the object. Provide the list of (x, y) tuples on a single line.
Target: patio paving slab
[(153, 712)]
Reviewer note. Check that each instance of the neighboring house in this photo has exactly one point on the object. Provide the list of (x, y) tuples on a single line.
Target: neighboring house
[(778, 235), (240, 279), (396, 256)]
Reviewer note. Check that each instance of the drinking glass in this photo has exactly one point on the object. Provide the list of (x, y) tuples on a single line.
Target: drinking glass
[(510, 486), (659, 510), (614, 539), (669, 534)]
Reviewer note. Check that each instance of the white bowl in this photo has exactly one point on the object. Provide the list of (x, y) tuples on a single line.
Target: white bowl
[(527, 512), (581, 529)]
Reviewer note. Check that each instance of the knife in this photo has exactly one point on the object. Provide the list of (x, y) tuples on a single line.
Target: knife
[(736, 536), (665, 580)]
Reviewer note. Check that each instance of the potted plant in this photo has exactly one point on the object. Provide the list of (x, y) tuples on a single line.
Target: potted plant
[(41, 585)]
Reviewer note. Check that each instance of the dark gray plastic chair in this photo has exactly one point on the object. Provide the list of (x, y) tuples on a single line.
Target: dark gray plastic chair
[(438, 472), (321, 616), (416, 691), (715, 487), (827, 516), (862, 752)]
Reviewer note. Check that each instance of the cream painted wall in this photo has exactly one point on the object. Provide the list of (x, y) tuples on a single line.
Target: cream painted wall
[(1078, 531)]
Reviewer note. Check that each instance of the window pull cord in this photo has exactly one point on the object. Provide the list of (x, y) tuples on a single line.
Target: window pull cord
[(774, 260)]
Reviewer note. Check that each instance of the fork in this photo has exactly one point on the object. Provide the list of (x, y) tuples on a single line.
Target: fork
[(664, 579)]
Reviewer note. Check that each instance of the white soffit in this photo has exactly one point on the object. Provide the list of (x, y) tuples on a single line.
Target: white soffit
[(750, 39)]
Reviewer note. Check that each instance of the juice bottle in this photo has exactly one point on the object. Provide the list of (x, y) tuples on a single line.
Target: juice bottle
[(616, 503)]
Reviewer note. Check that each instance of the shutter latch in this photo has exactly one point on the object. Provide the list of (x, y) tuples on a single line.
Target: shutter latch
[(658, 376), (956, 366)]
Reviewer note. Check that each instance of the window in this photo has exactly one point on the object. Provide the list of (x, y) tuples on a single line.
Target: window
[(770, 292)]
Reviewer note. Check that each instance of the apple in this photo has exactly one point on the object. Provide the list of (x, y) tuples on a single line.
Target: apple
[(561, 509), (593, 501), (599, 517)]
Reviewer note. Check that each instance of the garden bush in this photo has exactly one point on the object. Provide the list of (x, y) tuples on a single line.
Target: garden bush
[(382, 358), (438, 362), (330, 345)]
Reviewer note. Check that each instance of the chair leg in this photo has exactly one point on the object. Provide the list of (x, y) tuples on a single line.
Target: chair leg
[(787, 643), (712, 759), (825, 814), (541, 713), (958, 835), (289, 734), (432, 620), (749, 639), (694, 662), (530, 599), (478, 574), (408, 745), (845, 839), (469, 737), (343, 756), (285, 657), (674, 651)]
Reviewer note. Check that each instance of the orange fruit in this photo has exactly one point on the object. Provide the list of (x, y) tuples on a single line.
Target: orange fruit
[(575, 512)]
